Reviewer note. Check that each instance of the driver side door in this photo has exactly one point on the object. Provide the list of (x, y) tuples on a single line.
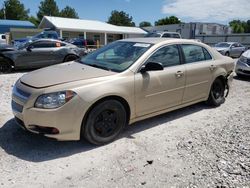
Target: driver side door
[(37, 54), (159, 90)]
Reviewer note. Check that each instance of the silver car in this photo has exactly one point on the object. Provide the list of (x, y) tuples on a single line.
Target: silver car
[(243, 64), (232, 49), (37, 54)]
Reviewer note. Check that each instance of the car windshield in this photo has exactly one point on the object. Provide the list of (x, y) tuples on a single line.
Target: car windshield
[(222, 44), (116, 56), (23, 45), (153, 35)]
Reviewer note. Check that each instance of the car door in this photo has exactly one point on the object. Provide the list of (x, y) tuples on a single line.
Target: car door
[(235, 50), (199, 72), (38, 54), (159, 90)]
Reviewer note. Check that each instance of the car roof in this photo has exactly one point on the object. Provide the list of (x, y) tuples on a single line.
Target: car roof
[(155, 40)]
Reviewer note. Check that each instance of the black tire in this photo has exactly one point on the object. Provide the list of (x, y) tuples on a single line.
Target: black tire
[(217, 93), (70, 58), (5, 66), (227, 54), (104, 122)]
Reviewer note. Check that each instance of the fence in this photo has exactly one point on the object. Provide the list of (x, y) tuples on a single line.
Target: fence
[(213, 39)]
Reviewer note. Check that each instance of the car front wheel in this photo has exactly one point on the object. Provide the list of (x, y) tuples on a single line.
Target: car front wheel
[(105, 122), (217, 93), (5, 66)]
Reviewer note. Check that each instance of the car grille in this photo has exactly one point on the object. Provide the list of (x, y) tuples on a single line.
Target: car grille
[(20, 94), (16, 107), (248, 62)]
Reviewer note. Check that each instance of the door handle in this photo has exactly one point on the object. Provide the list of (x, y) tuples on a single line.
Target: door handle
[(179, 74), (212, 67)]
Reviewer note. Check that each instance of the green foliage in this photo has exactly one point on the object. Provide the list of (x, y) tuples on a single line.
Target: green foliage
[(145, 24), (239, 26), (47, 8), (120, 18), (34, 20), (168, 21), (14, 10), (69, 12)]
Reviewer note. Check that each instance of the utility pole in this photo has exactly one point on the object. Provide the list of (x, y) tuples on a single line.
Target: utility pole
[(4, 11)]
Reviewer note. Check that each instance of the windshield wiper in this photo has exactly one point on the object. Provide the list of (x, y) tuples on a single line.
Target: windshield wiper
[(95, 65), (98, 66)]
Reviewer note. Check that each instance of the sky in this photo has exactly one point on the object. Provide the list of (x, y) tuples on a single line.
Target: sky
[(218, 11)]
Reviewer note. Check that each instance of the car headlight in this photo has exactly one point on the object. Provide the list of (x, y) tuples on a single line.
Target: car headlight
[(54, 100), (243, 59)]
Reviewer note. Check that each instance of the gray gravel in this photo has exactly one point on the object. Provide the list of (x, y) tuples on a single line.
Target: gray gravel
[(196, 146)]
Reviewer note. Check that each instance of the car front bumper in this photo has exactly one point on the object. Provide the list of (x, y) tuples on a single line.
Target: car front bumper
[(67, 119)]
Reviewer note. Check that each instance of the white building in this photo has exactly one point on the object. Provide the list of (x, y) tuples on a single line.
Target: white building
[(89, 29), (191, 30)]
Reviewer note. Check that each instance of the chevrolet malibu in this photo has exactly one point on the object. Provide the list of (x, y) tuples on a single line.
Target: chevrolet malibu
[(121, 83)]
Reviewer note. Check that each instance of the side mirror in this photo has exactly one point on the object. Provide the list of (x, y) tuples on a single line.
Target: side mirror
[(29, 48), (151, 66)]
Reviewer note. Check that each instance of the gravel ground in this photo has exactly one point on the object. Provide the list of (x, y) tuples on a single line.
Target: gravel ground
[(196, 146)]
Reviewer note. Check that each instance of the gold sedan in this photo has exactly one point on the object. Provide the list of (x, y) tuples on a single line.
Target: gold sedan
[(121, 83)]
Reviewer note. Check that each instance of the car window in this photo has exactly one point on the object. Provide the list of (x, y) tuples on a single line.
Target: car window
[(176, 36), (167, 56), (3, 37), (234, 45), (44, 44), (116, 56), (207, 54), (166, 35), (193, 53)]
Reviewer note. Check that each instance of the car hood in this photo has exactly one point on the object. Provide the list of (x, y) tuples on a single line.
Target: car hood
[(220, 48), (62, 73), (4, 48), (246, 54)]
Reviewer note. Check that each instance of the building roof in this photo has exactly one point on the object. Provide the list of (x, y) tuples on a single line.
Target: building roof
[(70, 24), (19, 23)]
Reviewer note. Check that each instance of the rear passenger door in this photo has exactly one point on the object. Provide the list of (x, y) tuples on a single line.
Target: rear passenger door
[(199, 71)]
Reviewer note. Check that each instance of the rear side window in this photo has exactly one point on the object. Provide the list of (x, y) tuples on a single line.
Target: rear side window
[(44, 44), (167, 35), (167, 56), (194, 53)]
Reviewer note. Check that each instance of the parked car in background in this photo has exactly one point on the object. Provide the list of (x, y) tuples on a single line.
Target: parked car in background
[(232, 49), (243, 64), (43, 35), (40, 53), (164, 34), (3, 39), (118, 84), (82, 43)]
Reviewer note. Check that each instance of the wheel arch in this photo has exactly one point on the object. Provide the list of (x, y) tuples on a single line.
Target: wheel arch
[(9, 59), (111, 97), (71, 54)]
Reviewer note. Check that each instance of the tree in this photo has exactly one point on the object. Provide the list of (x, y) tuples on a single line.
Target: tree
[(14, 10), (120, 18), (237, 26), (168, 21), (34, 20), (47, 8), (68, 12), (145, 24)]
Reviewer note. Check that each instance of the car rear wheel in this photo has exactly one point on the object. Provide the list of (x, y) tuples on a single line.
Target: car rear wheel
[(5, 66), (105, 122), (217, 93), (70, 58)]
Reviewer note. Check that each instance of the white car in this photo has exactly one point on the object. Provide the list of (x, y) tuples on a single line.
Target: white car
[(243, 64)]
